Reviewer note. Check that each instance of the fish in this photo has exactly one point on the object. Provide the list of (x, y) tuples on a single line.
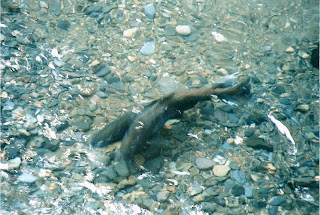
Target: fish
[(135, 129)]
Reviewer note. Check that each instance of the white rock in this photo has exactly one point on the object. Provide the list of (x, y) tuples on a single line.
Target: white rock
[(221, 170), (8, 105), (289, 50), (183, 30), (2, 37), (130, 32), (14, 163), (219, 37), (27, 178)]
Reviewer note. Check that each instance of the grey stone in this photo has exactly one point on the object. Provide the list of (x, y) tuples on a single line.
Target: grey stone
[(8, 105), (148, 48), (162, 196), (239, 176), (194, 189), (237, 190), (221, 170), (150, 11), (121, 168), (63, 24), (14, 163), (204, 163), (277, 200)]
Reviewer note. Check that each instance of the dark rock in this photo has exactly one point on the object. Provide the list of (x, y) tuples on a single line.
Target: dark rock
[(259, 143), (208, 207), (82, 123), (259, 204), (63, 24), (315, 57), (12, 152), (154, 165), (92, 9), (237, 190), (249, 133), (191, 37), (62, 126), (52, 145), (284, 101), (272, 210), (279, 90)]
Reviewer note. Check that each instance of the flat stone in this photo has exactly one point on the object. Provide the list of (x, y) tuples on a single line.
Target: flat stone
[(150, 11), (121, 168), (277, 200), (148, 48), (259, 143), (162, 196), (221, 170), (239, 176), (27, 178), (63, 24), (204, 163), (194, 189)]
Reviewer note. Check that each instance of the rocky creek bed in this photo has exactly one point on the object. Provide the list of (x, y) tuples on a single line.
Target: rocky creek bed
[(69, 67)]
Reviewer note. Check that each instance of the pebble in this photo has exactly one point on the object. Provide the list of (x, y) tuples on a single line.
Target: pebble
[(150, 11), (162, 196), (259, 143), (148, 48), (130, 32), (126, 183), (183, 30), (121, 168), (290, 50), (27, 178), (63, 24), (277, 200), (194, 189), (14, 163), (303, 107), (221, 170), (2, 37), (204, 163), (219, 37), (168, 85), (239, 176), (8, 105)]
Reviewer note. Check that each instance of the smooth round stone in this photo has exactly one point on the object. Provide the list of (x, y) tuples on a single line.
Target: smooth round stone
[(183, 30), (63, 24), (221, 170), (163, 196), (148, 48), (130, 32), (27, 178), (204, 163), (303, 107)]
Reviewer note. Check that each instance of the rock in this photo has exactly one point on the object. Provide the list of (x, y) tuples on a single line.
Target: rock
[(183, 30), (303, 107), (154, 165), (277, 200), (237, 190), (82, 123), (121, 168), (8, 105), (239, 176), (55, 7), (148, 48), (11, 152), (219, 37), (162, 196), (14, 163), (191, 38), (259, 143), (63, 24), (290, 50), (126, 183), (168, 85), (315, 57), (150, 11), (248, 191), (194, 189), (204, 163), (27, 178), (130, 32), (221, 170)]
